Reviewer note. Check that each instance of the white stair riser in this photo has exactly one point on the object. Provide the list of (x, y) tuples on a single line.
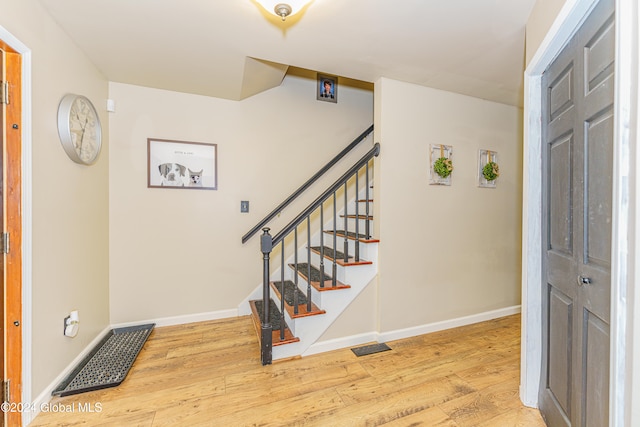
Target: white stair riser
[(310, 328), (354, 276)]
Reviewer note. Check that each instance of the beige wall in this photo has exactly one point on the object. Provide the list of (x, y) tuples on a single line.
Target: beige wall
[(106, 245), (179, 252), (542, 16), (446, 251), (70, 202)]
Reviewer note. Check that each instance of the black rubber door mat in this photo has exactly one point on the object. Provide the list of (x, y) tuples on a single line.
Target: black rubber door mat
[(108, 363), (370, 349)]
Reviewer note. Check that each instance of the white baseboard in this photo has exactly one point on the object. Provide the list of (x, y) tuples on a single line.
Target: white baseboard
[(354, 340), (45, 397), (183, 319), (338, 343), (448, 324)]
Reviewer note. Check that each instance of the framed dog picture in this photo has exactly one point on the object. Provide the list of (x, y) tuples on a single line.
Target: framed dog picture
[(327, 88), (181, 164)]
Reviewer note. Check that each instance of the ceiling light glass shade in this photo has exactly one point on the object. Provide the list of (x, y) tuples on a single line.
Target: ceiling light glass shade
[(283, 8)]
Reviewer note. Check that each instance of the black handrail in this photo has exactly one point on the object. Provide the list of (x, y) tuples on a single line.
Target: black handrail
[(306, 185), (339, 182)]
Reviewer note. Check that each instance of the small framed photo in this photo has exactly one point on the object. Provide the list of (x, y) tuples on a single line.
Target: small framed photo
[(488, 170), (327, 88), (181, 164)]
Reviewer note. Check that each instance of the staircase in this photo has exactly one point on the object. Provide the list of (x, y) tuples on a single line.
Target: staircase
[(311, 277), (329, 298)]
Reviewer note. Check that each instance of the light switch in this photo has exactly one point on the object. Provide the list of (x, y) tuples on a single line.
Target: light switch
[(244, 206)]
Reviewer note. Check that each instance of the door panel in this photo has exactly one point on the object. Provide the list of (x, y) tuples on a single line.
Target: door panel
[(595, 404), (599, 55), (597, 248), (560, 232), (577, 174), (560, 353), (561, 93)]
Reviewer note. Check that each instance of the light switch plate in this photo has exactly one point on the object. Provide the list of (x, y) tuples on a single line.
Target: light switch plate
[(244, 206)]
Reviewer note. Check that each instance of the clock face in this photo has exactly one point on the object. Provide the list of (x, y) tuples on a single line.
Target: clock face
[(79, 128)]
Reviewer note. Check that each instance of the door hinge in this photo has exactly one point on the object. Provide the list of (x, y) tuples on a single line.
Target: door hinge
[(4, 93), (4, 244), (6, 391)]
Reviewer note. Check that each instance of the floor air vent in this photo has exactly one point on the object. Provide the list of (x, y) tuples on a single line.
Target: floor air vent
[(370, 349)]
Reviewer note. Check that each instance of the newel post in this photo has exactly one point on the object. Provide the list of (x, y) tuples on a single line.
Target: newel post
[(266, 245)]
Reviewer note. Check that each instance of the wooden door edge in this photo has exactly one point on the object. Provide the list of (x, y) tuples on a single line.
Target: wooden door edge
[(13, 210)]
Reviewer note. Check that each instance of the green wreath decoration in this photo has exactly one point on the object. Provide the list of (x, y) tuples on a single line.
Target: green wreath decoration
[(491, 171), (443, 167)]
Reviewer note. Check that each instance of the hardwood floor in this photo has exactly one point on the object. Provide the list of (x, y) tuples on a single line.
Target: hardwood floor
[(209, 374)]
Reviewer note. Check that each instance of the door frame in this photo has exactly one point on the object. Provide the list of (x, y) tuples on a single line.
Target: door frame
[(23, 196), (625, 221)]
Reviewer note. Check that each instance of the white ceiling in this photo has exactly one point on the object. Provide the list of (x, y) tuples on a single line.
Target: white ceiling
[(233, 49)]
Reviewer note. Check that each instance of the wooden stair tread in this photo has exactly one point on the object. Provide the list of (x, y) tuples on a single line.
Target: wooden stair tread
[(289, 306), (275, 335), (315, 278), (359, 216), (328, 254), (352, 236)]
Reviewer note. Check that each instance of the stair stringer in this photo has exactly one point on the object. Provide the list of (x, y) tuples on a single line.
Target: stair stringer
[(310, 328)]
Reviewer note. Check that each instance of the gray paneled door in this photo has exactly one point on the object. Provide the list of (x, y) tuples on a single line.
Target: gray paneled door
[(578, 93)]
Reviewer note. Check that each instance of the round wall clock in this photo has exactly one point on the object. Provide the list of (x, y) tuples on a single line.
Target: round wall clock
[(79, 129)]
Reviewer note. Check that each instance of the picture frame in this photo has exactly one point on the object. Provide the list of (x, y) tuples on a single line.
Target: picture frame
[(181, 165), (485, 156), (437, 151), (327, 88)]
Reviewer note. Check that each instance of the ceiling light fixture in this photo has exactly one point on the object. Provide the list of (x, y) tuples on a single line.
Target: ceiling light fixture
[(283, 8)]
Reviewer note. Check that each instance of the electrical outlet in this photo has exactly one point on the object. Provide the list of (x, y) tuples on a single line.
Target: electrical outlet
[(244, 206)]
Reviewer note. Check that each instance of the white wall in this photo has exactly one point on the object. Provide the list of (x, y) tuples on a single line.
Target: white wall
[(179, 252), (446, 251), (69, 202), (540, 20)]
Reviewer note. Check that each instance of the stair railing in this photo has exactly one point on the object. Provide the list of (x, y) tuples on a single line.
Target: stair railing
[(306, 185), (268, 242)]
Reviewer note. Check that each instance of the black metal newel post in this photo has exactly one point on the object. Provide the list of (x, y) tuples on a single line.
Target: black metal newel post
[(266, 245)]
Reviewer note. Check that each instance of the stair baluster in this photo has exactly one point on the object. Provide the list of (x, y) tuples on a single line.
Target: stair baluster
[(367, 231), (309, 264), (295, 269), (357, 242), (346, 226), (282, 293), (322, 244), (335, 243)]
